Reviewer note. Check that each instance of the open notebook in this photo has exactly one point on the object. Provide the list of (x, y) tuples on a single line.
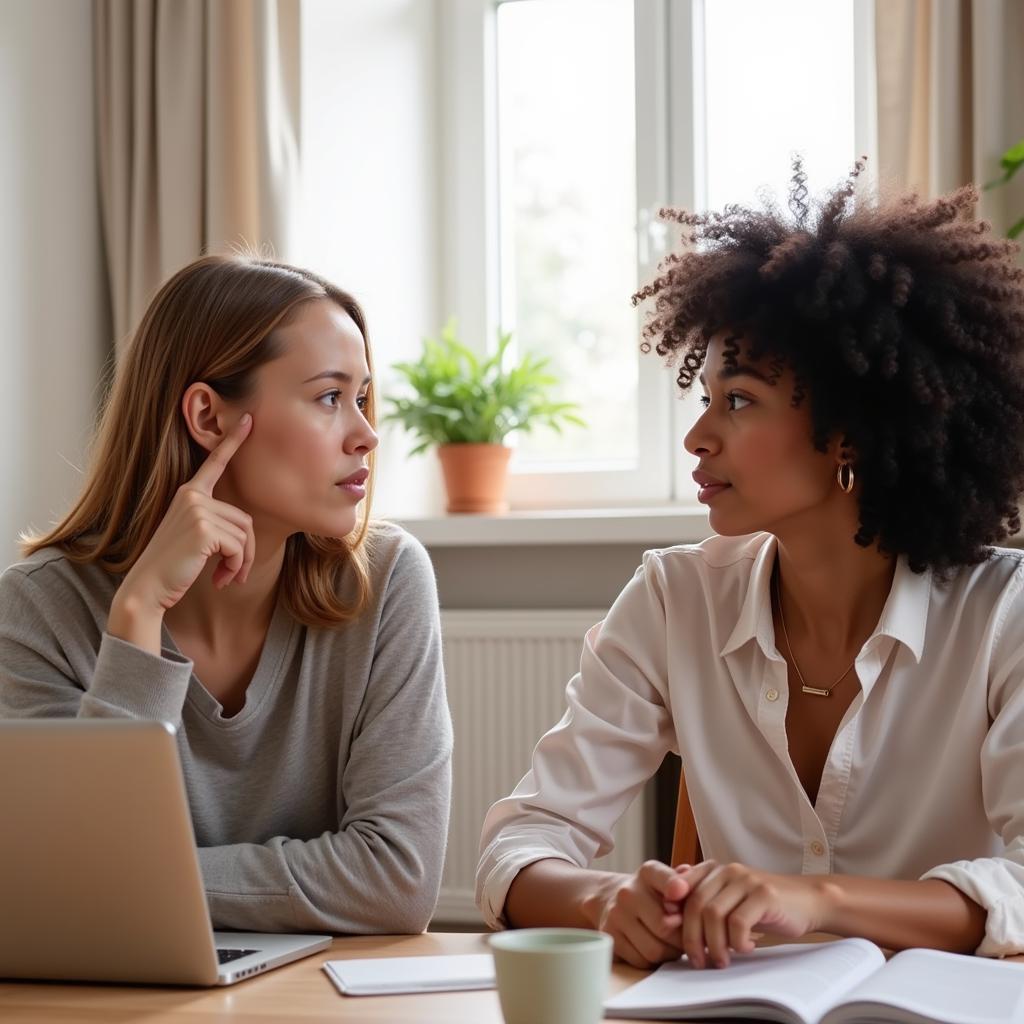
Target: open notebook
[(840, 982)]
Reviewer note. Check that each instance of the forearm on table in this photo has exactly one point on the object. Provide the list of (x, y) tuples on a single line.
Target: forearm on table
[(555, 893), (903, 914), (337, 882)]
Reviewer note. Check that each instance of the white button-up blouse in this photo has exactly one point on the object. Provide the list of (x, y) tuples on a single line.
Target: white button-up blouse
[(924, 779)]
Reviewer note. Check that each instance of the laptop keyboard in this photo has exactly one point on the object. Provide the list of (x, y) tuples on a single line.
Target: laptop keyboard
[(227, 955)]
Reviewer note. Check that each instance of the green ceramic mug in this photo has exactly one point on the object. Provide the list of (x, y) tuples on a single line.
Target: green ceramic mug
[(552, 975)]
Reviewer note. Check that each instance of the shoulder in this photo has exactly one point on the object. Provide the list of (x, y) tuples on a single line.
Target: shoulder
[(51, 575), (994, 586), (713, 563), (981, 605), (1001, 567), (396, 560), (994, 582), (695, 584), (49, 592)]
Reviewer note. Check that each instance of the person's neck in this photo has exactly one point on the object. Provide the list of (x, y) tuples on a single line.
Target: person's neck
[(833, 590), (216, 617)]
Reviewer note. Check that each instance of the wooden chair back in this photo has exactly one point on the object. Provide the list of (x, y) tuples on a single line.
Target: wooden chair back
[(685, 841)]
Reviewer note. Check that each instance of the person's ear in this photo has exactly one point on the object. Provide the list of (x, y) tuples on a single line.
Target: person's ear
[(841, 450), (205, 415)]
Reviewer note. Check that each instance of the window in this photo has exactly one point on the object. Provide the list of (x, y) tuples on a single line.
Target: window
[(567, 209), (591, 115), (795, 94)]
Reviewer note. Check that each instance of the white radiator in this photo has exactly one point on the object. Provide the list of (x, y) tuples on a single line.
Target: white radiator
[(507, 672)]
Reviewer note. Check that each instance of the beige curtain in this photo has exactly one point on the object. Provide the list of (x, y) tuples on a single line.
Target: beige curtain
[(198, 121), (950, 77)]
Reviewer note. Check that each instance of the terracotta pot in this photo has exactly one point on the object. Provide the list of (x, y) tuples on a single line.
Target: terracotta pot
[(474, 476)]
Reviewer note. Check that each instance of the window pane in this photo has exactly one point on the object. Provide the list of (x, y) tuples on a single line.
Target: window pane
[(567, 186), (800, 55)]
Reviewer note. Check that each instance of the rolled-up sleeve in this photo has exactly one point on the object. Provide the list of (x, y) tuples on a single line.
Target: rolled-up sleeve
[(588, 769), (997, 883)]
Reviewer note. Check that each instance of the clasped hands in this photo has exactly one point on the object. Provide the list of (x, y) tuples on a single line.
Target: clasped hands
[(706, 911)]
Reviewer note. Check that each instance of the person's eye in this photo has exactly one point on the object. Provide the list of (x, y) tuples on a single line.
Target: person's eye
[(733, 398), (362, 402), (704, 400), (330, 399)]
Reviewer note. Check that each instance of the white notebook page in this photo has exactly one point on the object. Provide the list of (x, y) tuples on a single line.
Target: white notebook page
[(804, 978), (946, 987)]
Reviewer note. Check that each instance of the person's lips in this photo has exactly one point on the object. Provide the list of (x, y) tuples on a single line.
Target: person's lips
[(710, 486), (355, 485)]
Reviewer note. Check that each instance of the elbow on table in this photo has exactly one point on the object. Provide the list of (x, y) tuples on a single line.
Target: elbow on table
[(408, 920), (404, 903), (401, 913), (381, 916), (399, 889), (414, 901)]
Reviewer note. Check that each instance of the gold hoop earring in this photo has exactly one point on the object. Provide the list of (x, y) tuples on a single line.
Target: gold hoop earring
[(845, 480)]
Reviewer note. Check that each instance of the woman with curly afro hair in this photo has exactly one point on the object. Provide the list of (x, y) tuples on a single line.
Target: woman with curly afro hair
[(840, 668)]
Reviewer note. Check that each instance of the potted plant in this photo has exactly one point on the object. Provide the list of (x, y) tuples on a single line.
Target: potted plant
[(466, 406), (1010, 162)]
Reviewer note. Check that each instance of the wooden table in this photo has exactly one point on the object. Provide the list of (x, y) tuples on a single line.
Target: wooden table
[(299, 992)]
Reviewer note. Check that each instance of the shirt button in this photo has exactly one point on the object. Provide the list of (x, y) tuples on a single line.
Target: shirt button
[(772, 695), (817, 849)]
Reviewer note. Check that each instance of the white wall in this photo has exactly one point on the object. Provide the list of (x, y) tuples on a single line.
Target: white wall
[(371, 189), (371, 195), (54, 318)]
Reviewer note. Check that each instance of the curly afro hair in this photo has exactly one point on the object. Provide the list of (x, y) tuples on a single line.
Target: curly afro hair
[(903, 323)]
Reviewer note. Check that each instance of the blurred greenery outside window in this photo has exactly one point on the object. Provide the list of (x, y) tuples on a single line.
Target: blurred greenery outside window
[(572, 233), (567, 201)]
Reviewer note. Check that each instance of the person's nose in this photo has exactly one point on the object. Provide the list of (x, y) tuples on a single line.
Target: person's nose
[(362, 440), (702, 439)]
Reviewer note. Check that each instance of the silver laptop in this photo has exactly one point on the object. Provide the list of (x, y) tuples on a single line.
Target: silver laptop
[(99, 877)]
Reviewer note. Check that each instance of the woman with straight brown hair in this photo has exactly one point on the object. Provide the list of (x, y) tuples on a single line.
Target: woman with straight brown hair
[(216, 573)]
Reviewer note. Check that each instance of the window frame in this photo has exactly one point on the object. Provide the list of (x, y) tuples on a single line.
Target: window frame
[(671, 162)]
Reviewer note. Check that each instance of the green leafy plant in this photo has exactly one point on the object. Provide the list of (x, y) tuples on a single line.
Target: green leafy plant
[(1011, 162), (460, 398)]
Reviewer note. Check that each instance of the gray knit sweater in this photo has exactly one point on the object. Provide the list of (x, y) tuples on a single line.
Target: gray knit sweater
[(323, 804)]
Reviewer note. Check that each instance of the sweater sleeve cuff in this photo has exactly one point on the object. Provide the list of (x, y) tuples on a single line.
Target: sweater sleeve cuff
[(129, 682)]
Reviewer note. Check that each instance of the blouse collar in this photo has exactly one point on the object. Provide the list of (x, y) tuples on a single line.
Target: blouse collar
[(904, 616)]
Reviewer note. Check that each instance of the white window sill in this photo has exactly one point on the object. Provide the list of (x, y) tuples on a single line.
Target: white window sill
[(667, 524), (661, 525)]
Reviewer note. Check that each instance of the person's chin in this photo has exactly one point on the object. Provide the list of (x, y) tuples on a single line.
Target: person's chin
[(341, 527), (732, 525), (335, 526)]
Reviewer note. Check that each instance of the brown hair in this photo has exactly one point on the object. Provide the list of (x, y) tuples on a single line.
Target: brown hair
[(216, 321)]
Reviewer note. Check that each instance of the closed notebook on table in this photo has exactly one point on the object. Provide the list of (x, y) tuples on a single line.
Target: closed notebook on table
[(842, 982), (399, 975)]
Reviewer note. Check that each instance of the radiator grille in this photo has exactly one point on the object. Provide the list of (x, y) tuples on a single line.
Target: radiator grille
[(506, 673)]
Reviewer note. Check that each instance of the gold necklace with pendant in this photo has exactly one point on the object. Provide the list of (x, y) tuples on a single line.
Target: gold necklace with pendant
[(813, 690)]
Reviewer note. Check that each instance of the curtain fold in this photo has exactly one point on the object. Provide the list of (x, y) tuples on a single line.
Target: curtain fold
[(198, 123), (950, 79)]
